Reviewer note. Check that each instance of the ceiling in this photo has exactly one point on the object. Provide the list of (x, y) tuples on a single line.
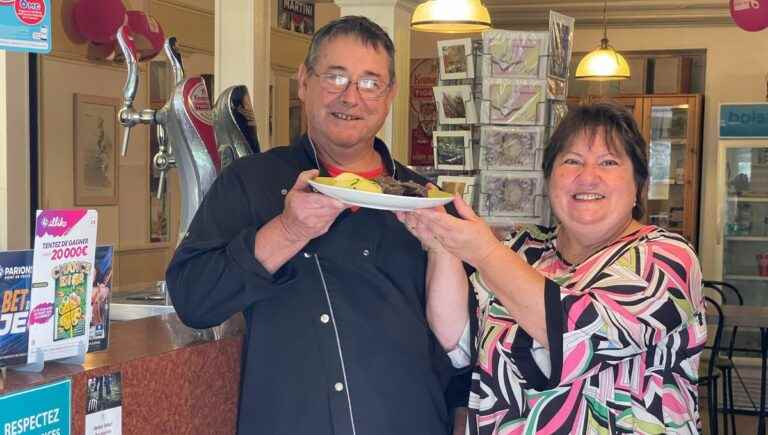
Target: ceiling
[(529, 14), (533, 13)]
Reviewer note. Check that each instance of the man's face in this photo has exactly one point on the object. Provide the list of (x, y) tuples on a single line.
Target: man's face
[(346, 119)]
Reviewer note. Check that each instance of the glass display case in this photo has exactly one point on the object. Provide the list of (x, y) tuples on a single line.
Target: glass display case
[(672, 127), (671, 124)]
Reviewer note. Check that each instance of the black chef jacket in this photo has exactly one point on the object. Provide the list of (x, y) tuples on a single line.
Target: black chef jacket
[(337, 341)]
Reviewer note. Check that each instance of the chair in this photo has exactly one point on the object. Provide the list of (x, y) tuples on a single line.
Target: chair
[(713, 345), (725, 363)]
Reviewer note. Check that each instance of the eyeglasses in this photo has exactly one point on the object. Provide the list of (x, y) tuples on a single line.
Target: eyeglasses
[(370, 88)]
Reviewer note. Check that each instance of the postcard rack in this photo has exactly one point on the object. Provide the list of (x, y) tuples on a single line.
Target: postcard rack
[(498, 98)]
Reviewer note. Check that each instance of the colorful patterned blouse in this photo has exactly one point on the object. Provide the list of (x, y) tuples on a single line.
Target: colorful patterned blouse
[(625, 329)]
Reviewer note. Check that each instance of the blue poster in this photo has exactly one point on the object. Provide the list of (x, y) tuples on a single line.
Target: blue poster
[(744, 120), (25, 25), (38, 411), (15, 284)]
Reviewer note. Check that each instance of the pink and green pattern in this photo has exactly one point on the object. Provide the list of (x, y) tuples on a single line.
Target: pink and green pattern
[(625, 330)]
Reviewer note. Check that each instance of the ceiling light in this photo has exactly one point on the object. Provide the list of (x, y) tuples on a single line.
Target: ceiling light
[(603, 63), (451, 16)]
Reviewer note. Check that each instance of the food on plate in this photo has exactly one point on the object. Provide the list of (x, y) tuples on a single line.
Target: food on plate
[(383, 184)]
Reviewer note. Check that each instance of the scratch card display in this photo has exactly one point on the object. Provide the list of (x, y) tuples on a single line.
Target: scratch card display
[(514, 54), (15, 284), (65, 245), (100, 296), (513, 101), (510, 148)]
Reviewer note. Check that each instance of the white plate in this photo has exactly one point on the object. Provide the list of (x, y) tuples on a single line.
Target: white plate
[(380, 201)]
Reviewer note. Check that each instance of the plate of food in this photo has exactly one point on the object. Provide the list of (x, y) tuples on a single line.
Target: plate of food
[(382, 193)]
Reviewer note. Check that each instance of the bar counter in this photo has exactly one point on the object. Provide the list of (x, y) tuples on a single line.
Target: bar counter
[(174, 379)]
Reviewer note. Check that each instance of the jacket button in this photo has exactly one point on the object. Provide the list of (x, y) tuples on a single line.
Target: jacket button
[(366, 252), (325, 318), (306, 255), (338, 386)]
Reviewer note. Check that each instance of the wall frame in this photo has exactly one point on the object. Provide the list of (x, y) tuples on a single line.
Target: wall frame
[(95, 150)]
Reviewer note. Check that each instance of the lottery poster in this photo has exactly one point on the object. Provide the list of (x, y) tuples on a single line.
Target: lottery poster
[(62, 274), (15, 283)]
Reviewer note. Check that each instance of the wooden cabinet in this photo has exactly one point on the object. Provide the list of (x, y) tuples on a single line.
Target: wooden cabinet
[(671, 124)]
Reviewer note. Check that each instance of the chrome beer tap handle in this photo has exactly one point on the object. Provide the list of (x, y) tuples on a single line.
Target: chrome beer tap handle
[(128, 116), (174, 60), (163, 160)]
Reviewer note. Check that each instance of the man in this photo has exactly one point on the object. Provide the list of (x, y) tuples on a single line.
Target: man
[(333, 296)]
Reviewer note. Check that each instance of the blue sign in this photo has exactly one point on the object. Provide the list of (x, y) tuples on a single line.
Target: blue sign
[(38, 411), (744, 120), (15, 286), (25, 25)]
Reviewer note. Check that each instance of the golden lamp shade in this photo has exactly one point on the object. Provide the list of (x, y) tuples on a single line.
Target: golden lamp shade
[(602, 64), (451, 16)]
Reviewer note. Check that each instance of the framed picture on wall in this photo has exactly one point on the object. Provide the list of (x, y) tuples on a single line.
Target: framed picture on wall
[(95, 150), (159, 208)]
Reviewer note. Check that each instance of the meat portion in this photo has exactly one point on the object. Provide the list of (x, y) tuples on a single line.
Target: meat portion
[(403, 188)]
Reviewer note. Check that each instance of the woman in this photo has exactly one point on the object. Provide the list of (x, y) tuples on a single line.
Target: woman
[(594, 326)]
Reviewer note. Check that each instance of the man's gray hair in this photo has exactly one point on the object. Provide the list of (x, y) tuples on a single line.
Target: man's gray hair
[(369, 33)]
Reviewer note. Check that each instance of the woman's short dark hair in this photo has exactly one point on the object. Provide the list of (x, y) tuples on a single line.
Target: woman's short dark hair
[(618, 124), (369, 33)]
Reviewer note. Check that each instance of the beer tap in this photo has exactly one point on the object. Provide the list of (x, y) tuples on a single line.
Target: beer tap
[(128, 116), (184, 129)]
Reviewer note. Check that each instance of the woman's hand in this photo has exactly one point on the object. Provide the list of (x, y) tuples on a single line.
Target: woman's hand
[(470, 239)]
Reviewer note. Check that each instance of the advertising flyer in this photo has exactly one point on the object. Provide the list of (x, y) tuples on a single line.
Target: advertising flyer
[(41, 410), (15, 283), (98, 335), (25, 25), (104, 406), (62, 274)]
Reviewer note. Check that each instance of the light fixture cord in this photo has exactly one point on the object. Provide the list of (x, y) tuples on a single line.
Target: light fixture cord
[(604, 42)]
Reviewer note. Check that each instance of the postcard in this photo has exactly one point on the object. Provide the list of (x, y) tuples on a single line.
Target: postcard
[(560, 45), (510, 148), (517, 194), (453, 149), (514, 54), (513, 101), (455, 104), (456, 59)]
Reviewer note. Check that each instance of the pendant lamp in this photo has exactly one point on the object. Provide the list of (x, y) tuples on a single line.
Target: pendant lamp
[(603, 63), (451, 16)]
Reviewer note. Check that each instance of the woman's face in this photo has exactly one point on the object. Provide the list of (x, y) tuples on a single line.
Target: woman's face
[(592, 188)]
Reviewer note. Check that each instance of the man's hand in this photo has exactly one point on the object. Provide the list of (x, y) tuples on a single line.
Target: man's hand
[(308, 215)]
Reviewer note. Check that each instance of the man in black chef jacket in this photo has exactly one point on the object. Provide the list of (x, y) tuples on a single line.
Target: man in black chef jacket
[(333, 296)]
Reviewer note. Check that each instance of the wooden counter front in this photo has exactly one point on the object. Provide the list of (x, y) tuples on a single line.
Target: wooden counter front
[(174, 379)]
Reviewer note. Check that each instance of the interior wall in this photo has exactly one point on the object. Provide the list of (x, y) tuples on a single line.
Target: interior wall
[(68, 71)]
